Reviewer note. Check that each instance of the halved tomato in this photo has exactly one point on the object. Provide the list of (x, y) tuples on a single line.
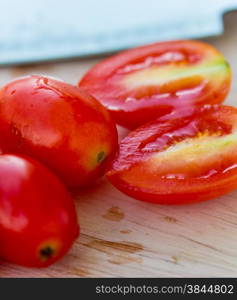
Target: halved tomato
[(185, 157), (141, 84)]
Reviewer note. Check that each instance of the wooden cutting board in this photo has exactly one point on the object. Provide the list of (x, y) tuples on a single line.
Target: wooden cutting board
[(123, 237)]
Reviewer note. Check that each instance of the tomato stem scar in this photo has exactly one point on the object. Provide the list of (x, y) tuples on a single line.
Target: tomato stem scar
[(46, 253), (100, 156)]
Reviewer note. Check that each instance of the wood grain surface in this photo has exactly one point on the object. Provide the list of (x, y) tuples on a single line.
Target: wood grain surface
[(122, 237)]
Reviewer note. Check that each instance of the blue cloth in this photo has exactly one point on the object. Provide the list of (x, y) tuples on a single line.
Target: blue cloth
[(50, 29)]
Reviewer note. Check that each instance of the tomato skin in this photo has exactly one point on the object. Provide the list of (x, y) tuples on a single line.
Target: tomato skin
[(141, 84), (58, 124), (36, 213), (185, 157)]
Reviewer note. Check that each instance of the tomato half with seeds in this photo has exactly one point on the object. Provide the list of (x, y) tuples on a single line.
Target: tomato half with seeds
[(38, 221), (58, 124), (181, 158), (143, 83)]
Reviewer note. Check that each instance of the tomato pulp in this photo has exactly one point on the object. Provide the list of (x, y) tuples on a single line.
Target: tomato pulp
[(38, 221), (58, 124), (143, 83), (185, 157)]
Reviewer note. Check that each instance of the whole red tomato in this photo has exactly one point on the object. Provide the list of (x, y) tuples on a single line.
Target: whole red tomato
[(184, 157), (38, 221), (141, 84), (59, 125)]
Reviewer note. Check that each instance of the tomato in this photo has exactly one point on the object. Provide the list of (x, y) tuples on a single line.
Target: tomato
[(185, 157), (58, 124), (141, 84), (38, 221)]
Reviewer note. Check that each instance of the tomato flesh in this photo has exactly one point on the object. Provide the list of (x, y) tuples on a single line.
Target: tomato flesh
[(141, 84), (38, 221), (184, 157), (59, 125)]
